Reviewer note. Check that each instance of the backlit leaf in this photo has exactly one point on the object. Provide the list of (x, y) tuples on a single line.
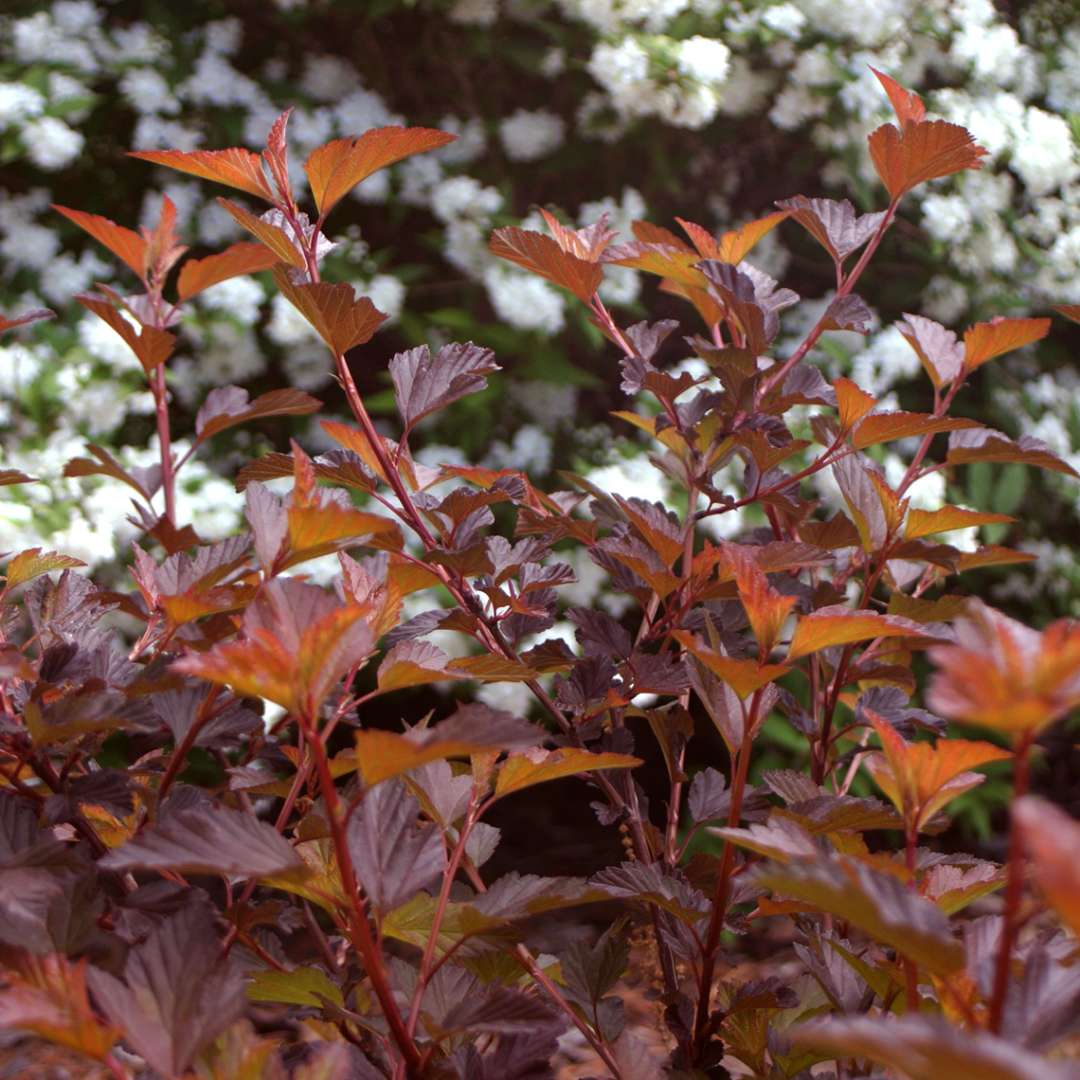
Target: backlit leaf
[(152, 346), (126, 244), (1052, 840), (852, 402), (841, 625), (907, 105), (302, 986), (337, 315), (523, 770), (733, 246), (884, 427), (541, 255), (273, 238), (473, 729), (928, 522), (30, 564), (242, 258), (234, 167), (335, 168), (27, 317), (985, 340), (835, 225), (923, 151)]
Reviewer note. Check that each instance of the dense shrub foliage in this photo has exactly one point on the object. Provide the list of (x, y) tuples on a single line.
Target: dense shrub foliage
[(221, 860), (646, 108)]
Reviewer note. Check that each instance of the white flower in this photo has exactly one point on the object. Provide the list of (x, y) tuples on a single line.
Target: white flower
[(947, 217), (328, 78), (51, 144), (553, 63), (386, 292), (19, 102), (785, 19), (287, 326), (361, 110), (530, 451), (794, 105), (147, 91), (468, 145), (216, 225), (239, 297), (524, 300), (528, 135), (703, 59), (461, 196), (1046, 156), (308, 365), (30, 245), (105, 344)]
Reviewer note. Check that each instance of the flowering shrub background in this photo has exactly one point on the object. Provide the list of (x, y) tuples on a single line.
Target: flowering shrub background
[(671, 103)]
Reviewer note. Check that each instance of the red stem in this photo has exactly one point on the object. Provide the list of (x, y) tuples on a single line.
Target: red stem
[(911, 969)]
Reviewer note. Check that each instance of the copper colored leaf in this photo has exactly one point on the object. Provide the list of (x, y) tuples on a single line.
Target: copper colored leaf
[(47, 996), (412, 663), (985, 444), (520, 771), (1052, 839), (923, 151), (227, 406), (424, 383), (927, 522), (985, 340), (103, 464), (671, 261), (1070, 311), (9, 477), (27, 317), (337, 315), (234, 167), (884, 427), (178, 991), (937, 348), (840, 625), (541, 255), (334, 169), (852, 402), (921, 1047), (906, 104), (32, 563), (743, 676), (766, 608), (732, 246), (152, 346), (279, 245), (875, 902), (1004, 675), (242, 258), (490, 668), (297, 642), (126, 244), (210, 839), (473, 729), (588, 243)]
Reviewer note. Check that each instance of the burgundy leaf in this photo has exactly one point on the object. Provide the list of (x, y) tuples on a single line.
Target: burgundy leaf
[(424, 383)]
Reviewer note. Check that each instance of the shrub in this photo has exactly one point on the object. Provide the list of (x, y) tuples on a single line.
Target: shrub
[(193, 885)]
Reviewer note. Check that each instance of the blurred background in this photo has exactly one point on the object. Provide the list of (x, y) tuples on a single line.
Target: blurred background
[(705, 109)]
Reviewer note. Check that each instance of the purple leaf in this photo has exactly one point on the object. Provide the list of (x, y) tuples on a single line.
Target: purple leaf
[(424, 383)]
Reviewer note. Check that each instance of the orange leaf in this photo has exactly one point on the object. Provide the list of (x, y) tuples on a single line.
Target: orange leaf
[(275, 239), (234, 167), (884, 427), (338, 316), (412, 663), (906, 104), (839, 625), (152, 346), (985, 340), (992, 555), (922, 152), (31, 564), (588, 243), (920, 778), (940, 354), (743, 676), (1004, 675), (927, 522), (243, 258), (541, 255), (732, 246), (520, 771), (335, 169), (1070, 311), (488, 668), (852, 402), (1052, 838), (664, 260), (766, 608), (985, 444), (127, 245)]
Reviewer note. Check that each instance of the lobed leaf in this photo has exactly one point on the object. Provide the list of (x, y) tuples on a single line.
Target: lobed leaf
[(425, 383), (151, 346), (986, 340), (937, 348), (841, 625), (922, 151), (227, 406), (541, 255), (337, 315), (527, 769), (986, 444)]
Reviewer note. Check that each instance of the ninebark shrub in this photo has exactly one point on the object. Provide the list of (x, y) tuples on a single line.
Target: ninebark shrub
[(191, 889)]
